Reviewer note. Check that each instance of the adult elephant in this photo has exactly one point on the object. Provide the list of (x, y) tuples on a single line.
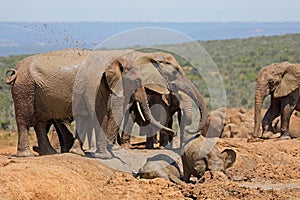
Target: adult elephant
[(163, 105), (172, 96), (50, 86), (282, 82)]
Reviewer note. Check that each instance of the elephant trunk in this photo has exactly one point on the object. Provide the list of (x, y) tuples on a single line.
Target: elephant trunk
[(186, 106), (259, 98), (147, 116), (192, 91)]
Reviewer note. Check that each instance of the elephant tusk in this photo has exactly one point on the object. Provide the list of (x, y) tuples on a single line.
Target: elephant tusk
[(140, 111)]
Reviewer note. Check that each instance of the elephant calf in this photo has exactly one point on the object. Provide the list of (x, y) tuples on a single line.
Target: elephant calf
[(200, 155), (161, 166)]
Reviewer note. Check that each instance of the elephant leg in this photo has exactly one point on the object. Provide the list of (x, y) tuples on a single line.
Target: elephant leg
[(65, 134), (287, 108), (77, 146), (45, 147), (182, 122), (23, 110), (186, 170), (23, 149), (165, 138), (102, 141), (150, 136), (54, 138), (127, 129), (150, 140), (271, 114)]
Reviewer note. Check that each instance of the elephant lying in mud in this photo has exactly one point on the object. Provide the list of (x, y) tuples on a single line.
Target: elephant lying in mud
[(282, 82), (294, 131), (161, 166), (83, 84), (161, 98), (200, 154)]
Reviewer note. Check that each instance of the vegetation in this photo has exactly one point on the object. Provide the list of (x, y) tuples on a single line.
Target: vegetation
[(7, 120), (238, 61)]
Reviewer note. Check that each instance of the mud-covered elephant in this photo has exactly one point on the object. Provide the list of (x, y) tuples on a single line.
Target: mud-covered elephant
[(281, 81), (161, 166), (74, 83), (215, 123), (294, 131), (201, 154), (172, 97), (163, 107)]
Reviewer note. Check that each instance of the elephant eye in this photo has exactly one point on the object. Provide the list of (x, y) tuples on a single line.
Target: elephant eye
[(175, 72)]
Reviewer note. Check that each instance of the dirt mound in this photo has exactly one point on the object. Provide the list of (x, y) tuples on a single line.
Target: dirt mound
[(263, 170)]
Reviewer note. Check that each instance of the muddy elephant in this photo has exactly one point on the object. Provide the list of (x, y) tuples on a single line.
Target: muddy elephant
[(200, 154), (161, 166), (172, 96), (281, 81), (57, 85), (163, 108), (215, 123), (294, 131)]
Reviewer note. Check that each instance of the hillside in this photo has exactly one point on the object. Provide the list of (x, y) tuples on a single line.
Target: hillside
[(238, 61)]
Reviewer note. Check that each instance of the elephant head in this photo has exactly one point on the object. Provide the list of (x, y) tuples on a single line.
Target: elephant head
[(124, 80), (278, 80), (174, 79), (200, 154)]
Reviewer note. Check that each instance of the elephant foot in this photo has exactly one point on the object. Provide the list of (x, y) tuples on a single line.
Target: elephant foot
[(115, 147), (126, 145), (47, 152), (24, 153), (149, 146), (270, 135), (103, 154), (36, 149), (76, 149), (41, 152), (285, 137)]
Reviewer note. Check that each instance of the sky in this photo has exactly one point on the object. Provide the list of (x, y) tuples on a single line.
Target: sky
[(150, 10)]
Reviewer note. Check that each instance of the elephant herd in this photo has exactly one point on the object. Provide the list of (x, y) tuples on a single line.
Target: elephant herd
[(106, 92)]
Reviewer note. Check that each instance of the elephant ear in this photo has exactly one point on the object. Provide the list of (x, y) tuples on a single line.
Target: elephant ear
[(113, 74), (290, 81), (229, 157), (151, 77), (158, 88)]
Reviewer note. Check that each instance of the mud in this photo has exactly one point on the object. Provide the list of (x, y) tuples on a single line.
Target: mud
[(265, 169)]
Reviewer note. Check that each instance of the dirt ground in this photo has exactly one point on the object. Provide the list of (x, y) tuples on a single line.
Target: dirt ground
[(265, 169)]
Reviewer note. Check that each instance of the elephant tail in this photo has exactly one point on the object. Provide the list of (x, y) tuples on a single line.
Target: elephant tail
[(12, 77)]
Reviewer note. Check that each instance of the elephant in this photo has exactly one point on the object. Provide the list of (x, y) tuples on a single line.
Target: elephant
[(74, 83), (281, 81), (161, 166), (171, 104), (215, 123), (172, 97), (293, 128), (200, 154)]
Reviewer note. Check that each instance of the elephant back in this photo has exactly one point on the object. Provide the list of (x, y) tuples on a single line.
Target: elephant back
[(53, 75)]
